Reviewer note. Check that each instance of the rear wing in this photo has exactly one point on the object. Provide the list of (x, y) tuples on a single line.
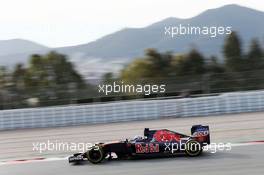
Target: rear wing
[(201, 133)]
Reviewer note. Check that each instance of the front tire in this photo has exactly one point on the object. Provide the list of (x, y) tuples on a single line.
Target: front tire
[(95, 155)]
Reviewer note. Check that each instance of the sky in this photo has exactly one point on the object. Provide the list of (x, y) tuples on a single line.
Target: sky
[(57, 23)]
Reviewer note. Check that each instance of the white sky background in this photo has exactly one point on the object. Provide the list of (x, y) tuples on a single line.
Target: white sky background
[(57, 23)]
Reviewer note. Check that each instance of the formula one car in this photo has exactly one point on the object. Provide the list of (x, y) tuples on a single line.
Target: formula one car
[(155, 143)]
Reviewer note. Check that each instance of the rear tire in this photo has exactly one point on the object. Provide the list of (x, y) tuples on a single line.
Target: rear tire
[(193, 148)]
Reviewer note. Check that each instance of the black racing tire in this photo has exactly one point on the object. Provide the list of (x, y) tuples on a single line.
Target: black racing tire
[(95, 155), (193, 148)]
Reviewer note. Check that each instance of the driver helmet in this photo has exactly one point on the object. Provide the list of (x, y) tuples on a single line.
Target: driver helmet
[(138, 138)]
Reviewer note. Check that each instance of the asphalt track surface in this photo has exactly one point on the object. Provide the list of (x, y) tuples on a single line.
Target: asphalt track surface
[(241, 159)]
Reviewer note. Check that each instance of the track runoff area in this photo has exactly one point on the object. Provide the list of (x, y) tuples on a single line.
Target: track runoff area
[(245, 133)]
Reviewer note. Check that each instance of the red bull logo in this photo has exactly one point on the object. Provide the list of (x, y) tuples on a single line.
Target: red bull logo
[(147, 148)]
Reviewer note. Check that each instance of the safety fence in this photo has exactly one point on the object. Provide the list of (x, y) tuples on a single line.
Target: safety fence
[(227, 103)]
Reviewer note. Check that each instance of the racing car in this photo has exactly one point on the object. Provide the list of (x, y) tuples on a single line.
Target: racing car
[(155, 143)]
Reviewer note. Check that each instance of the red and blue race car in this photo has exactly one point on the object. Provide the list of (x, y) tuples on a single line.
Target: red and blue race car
[(155, 143)]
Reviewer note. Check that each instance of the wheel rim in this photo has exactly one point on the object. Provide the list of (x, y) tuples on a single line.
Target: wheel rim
[(95, 155), (193, 148)]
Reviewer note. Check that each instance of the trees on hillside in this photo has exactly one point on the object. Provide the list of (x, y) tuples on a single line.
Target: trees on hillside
[(52, 69), (193, 63), (47, 77), (52, 79), (233, 53), (255, 56), (229, 75), (159, 62), (155, 65), (137, 70), (236, 60), (52, 76)]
